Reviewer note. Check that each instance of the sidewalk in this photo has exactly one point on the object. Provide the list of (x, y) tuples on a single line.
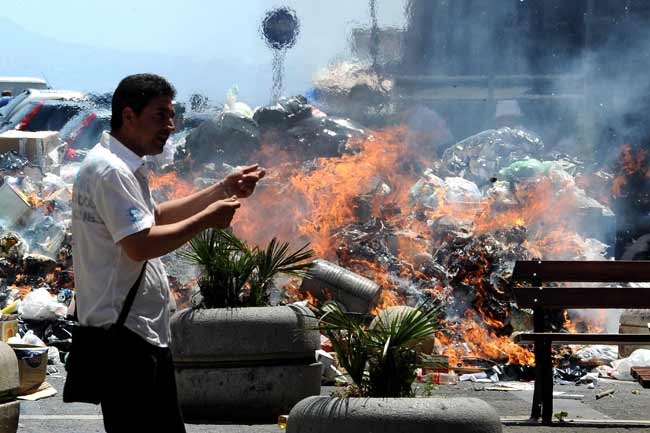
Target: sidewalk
[(51, 415)]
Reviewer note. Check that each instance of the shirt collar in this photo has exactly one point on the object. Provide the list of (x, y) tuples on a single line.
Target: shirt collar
[(130, 158)]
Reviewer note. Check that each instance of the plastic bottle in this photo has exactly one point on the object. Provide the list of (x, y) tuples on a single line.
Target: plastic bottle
[(443, 378)]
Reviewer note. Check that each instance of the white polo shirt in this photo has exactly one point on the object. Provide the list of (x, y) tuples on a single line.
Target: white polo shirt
[(111, 200)]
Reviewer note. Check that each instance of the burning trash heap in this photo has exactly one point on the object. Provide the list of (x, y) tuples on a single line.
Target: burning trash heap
[(417, 223)]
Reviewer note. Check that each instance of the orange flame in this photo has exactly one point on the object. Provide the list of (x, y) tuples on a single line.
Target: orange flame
[(478, 341), (312, 202), (173, 186)]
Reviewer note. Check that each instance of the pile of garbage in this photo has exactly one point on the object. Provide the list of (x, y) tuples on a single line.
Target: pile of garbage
[(463, 221), (233, 135)]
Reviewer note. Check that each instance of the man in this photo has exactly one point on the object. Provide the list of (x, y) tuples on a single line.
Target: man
[(116, 228)]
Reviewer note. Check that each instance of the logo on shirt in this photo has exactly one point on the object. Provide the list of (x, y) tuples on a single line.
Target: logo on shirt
[(135, 215)]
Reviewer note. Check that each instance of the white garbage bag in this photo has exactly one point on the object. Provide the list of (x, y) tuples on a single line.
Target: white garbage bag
[(638, 358), (598, 354), (40, 305)]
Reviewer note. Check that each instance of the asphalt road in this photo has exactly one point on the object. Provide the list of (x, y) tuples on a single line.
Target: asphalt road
[(629, 401)]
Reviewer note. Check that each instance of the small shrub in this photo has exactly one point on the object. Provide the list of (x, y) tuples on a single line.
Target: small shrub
[(236, 275)]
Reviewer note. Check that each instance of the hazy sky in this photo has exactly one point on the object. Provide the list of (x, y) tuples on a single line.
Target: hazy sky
[(202, 29)]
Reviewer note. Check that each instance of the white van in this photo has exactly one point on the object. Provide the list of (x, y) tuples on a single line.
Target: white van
[(17, 84)]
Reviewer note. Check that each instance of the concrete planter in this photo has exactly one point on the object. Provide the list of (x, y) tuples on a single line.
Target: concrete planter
[(393, 415), (9, 384), (244, 363)]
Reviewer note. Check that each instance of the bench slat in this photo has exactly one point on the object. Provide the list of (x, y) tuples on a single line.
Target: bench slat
[(593, 271), (563, 338), (583, 297)]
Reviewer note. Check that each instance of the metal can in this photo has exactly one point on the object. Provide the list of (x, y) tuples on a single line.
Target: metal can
[(332, 282)]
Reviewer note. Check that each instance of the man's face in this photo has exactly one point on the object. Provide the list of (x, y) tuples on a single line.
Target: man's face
[(151, 129)]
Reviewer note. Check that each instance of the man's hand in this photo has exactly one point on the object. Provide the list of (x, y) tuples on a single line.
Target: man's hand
[(220, 213), (241, 182)]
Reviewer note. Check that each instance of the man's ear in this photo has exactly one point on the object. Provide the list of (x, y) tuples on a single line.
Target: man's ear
[(128, 116)]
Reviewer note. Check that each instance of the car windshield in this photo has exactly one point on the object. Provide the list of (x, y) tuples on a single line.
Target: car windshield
[(51, 117), (42, 116)]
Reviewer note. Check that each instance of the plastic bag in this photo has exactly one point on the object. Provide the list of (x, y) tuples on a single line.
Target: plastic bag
[(524, 169), (232, 105), (597, 354), (459, 190), (40, 305), (638, 358)]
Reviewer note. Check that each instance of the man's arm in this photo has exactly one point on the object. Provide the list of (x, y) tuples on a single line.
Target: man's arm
[(162, 239), (177, 210), (240, 183)]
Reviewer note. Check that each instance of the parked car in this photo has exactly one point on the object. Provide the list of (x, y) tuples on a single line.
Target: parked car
[(16, 85), (47, 115), (83, 131), (24, 98)]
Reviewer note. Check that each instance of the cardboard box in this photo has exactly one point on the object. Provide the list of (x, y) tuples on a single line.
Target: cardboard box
[(8, 328), (13, 205), (32, 366), (33, 145)]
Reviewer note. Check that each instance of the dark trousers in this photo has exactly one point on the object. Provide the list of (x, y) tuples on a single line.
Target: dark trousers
[(141, 391)]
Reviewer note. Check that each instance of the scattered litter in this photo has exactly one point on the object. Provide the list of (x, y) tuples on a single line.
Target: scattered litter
[(480, 377), (29, 338), (43, 391), (605, 393), (563, 396), (589, 378), (511, 386)]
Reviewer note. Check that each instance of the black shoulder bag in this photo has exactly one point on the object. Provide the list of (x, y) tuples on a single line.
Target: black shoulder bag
[(86, 362)]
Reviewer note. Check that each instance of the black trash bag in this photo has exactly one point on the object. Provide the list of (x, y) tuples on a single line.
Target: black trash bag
[(274, 116), (230, 138), (321, 137), (40, 328), (296, 107), (59, 334), (285, 114), (570, 371), (515, 372)]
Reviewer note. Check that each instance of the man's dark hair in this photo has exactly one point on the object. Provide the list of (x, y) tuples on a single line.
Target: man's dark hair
[(136, 91)]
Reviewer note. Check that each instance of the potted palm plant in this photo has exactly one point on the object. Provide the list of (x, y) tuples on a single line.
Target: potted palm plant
[(235, 356), (381, 360)]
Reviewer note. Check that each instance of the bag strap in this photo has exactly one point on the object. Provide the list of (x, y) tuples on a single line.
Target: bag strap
[(130, 298)]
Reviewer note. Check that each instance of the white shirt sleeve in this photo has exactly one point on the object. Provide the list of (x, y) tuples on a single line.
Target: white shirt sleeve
[(121, 205)]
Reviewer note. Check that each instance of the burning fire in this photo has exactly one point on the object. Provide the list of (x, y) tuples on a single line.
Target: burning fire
[(590, 324), (312, 202), (478, 341), (171, 185)]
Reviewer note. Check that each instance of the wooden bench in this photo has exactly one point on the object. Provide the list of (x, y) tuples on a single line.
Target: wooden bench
[(535, 276)]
